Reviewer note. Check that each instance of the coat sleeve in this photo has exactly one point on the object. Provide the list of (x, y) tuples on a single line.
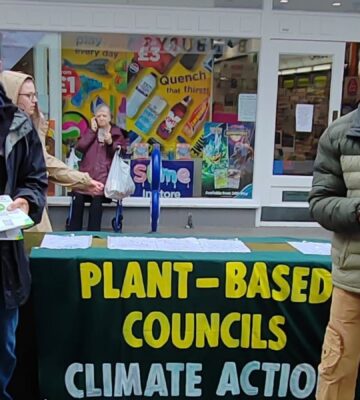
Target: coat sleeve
[(85, 141), (63, 175), (329, 205), (32, 179)]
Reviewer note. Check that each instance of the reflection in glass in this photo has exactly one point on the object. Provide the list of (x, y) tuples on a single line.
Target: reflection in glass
[(302, 112)]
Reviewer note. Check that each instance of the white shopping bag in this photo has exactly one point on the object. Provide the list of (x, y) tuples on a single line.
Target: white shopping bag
[(73, 160), (119, 183)]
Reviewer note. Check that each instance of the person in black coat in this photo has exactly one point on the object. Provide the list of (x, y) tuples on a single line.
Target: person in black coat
[(23, 177)]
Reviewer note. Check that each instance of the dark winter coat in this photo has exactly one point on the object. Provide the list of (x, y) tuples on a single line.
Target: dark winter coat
[(97, 156), (26, 177)]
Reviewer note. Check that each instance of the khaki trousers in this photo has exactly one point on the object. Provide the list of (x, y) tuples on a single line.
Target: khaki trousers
[(340, 356)]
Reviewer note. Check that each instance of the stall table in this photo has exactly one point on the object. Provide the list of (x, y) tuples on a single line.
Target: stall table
[(139, 324)]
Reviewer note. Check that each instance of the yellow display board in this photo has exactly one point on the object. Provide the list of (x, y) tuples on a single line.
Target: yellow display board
[(91, 76), (159, 94)]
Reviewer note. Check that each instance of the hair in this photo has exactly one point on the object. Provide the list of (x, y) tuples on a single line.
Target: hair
[(103, 105)]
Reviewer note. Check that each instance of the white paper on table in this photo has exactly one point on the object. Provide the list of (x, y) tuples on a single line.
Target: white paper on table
[(304, 117), (132, 243), (66, 241), (223, 246), (11, 234), (247, 107), (12, 219), (323, 249), (189, 244)]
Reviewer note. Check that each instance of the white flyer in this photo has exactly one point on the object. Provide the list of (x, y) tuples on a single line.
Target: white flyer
[(12, 219), (320, 248), (71, 241)]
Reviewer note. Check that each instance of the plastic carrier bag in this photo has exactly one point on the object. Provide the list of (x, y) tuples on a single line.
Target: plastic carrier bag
[(119, 183), (73, 160)]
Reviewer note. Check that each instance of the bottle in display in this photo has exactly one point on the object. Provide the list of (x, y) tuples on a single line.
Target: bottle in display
[(174, 117), (151, 113), (142, 91), (196, 119)]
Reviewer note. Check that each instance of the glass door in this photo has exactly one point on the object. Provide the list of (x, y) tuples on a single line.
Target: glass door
[(308, 98), (302, 111)]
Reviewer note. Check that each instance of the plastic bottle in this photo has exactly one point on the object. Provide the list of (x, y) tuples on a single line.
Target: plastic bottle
[(151, 113), (175, 115), (142, 91), (197, 118)]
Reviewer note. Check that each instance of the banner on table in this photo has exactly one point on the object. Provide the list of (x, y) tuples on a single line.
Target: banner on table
[(177, 178), (228, 160), (200, 327)]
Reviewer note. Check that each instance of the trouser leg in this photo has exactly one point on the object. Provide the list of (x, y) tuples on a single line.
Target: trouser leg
[(340, 357), (8, 325), (95, 213), (77, 212)]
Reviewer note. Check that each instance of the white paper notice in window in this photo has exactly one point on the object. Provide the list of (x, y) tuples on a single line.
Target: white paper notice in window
[(304, 117), (247, 107)]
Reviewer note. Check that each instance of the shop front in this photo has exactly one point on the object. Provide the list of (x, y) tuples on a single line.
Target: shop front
[(236, 98)]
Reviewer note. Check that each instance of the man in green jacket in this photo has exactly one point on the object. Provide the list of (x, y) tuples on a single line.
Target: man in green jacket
[(335, 204)]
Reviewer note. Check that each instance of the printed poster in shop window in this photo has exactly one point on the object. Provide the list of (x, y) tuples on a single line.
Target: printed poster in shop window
[(228, 160)]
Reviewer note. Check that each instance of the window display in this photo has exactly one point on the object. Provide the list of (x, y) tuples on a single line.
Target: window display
[(160, 91)]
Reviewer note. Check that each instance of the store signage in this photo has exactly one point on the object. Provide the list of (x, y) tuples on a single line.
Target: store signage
[(149, 46), (176, 178)]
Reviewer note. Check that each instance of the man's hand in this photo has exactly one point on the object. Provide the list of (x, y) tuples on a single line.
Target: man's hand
[(21, 203), (96, 188)]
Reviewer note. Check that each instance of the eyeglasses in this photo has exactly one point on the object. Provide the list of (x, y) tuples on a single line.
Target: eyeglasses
[(30, 96)]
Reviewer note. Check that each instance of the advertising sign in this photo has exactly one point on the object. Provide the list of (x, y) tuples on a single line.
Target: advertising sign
[(93, 73), (179, 325), (228, 160), (177, 178), (168, 98)]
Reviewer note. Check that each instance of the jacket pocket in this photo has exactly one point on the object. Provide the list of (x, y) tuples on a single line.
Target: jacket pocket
[(331, 353)]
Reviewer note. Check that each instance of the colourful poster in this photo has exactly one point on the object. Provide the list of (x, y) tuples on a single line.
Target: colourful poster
[(168, 98), (93, 73), (228, 158), (177, 178)]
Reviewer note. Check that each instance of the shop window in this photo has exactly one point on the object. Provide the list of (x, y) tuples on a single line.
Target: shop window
[(195, 98)]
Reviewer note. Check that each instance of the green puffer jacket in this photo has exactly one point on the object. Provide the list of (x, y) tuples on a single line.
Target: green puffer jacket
[(335, 197)]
